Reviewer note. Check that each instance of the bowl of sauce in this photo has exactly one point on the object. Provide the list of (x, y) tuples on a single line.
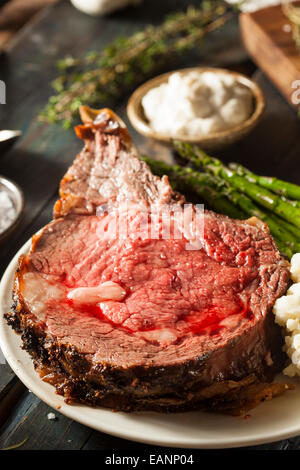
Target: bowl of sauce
[(211, 107)]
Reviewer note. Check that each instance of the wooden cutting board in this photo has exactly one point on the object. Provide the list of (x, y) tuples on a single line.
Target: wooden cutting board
[(268, 38)]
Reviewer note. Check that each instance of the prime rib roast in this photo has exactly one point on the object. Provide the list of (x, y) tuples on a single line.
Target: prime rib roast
[(141, 322)]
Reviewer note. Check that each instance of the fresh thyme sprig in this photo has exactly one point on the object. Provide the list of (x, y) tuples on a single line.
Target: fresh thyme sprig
[(102, 78)]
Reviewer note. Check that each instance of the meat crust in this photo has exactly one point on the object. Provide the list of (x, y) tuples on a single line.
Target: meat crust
[(195, 330)]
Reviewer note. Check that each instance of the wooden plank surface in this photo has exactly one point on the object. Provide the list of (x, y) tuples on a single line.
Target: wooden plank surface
[(14, 14), (272, 47), (42, 155)]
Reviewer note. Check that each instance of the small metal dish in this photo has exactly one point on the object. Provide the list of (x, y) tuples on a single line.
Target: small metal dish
[(16, 195), (212, 141)]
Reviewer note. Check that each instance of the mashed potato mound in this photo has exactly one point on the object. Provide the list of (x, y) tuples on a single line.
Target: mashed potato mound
[(287, 314)]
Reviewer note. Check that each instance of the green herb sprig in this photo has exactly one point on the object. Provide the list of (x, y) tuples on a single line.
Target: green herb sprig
[(103, 78)]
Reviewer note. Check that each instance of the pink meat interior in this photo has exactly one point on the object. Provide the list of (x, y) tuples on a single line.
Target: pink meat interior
[(171, 292)]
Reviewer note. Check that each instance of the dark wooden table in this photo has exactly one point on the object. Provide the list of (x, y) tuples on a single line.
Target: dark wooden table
[(40, 158)]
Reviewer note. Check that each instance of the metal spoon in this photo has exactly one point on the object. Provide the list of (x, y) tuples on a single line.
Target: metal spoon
[(6, 135)]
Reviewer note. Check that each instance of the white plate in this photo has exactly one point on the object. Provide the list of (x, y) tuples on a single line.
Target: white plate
[(271, 421)]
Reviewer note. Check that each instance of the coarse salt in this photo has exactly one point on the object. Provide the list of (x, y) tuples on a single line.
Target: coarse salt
[(7, 211)]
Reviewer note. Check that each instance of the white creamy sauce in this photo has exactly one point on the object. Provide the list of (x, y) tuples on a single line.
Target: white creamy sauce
[(92, 295), (287, 314), (38, 291), (197, 104)]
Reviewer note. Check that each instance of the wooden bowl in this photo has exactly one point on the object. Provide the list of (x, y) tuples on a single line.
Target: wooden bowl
[(214, 140)]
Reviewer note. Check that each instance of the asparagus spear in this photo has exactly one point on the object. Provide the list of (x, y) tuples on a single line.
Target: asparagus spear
[(201, 183), (267, 183), (284, 188), (289, 227), (261, 195)]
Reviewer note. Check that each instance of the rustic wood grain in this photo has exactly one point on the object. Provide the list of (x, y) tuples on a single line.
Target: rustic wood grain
[(16, 13), (29, 421), (10, 390), (271, 47)]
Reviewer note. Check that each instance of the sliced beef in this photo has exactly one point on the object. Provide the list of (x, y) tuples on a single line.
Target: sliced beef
[(107, 170), (180, 328)]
